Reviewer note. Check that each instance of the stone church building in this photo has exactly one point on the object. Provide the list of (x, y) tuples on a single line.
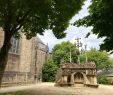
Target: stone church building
[(25, 60)]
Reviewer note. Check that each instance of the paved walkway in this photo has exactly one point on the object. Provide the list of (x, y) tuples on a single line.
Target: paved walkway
[(49, 89)]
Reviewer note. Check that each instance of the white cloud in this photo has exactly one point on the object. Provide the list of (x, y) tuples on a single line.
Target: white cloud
[(83, 12), (50, 39), (74, 32)]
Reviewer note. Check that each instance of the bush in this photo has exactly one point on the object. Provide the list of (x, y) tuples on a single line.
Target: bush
[(49, 71), (104, 80)]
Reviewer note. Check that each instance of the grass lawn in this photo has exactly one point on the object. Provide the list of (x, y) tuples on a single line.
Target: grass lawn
[(25, 92), (50, 89)]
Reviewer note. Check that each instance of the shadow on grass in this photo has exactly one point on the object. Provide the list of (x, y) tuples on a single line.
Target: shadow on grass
[(26, 92)]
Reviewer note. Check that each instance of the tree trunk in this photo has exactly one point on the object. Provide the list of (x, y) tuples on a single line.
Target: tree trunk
[(4, 55)]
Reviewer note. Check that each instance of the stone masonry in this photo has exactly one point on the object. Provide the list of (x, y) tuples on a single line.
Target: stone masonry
[(77, 75), (25, 60)]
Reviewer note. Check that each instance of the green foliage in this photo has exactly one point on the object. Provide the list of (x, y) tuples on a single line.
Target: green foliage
[(82, 58), (37, 15), (104, 80), (98, 57), (108, 64), (49, 71), (101, 19), (101, 59), (24, 92), (62, 51), (34, 16)]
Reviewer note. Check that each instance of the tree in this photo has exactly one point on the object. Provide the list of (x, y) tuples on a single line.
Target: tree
[(102, 60), (49, 71), (62, 51), (104, 80), (32, 17), (82, 58), (100, 18)]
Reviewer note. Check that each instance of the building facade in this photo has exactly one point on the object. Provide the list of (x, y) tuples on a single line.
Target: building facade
[(25, 60)]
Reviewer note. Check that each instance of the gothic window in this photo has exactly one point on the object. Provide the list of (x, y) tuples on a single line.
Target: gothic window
[(15, 46)]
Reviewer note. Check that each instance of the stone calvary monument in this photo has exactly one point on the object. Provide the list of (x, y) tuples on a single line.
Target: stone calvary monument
[(77, 75)]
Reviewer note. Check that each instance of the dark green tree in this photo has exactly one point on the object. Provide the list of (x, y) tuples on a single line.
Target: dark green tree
[(104, 80), (32, 17), (49, 71), (102, 60), (82, 58), (100, 18), (62, 51)]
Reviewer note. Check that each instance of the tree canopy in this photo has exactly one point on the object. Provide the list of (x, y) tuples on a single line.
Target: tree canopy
[(34, 16), (102, 60), (62, 51), (31, 17), (49, 71), (101, 19)]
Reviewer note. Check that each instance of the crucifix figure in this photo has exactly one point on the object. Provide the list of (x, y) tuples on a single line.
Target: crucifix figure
[(78, 45)]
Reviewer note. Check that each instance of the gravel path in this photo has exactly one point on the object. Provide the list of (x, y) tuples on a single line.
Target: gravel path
[(49, 89)]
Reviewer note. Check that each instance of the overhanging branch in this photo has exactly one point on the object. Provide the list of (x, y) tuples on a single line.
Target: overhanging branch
[(20, 22)]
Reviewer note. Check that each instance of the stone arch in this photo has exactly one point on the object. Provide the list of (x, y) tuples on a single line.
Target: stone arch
[(79, 78), (68, 78)]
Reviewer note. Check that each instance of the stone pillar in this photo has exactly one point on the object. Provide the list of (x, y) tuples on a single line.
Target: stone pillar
[(62, 79), (65, 79), (26, 77), (86, 80), (16, 79), (95, 80), (72, 78)]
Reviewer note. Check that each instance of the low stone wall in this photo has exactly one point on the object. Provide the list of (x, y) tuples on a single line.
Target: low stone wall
[(16, 78)]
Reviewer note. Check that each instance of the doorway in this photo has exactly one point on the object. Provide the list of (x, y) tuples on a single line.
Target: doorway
[(78, 79)]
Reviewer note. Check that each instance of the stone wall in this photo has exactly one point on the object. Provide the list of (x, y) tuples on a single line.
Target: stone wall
[(13, 62), (16, 78), (25, 54), (25, 66)]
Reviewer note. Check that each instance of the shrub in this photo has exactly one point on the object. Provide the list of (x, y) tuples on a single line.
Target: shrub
[(49, 71), (104, 80)]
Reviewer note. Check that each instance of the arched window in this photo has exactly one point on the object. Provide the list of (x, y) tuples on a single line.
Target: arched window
[(14, 46)]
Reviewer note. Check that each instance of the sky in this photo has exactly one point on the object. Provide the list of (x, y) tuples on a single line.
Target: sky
[(74, 32)]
